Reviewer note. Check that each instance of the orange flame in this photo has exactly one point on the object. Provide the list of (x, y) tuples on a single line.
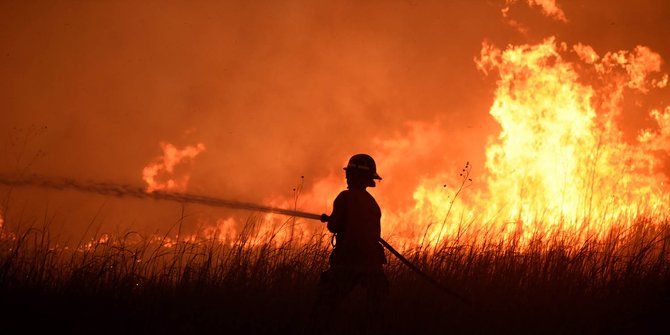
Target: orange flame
[(560, 162), (548, 7), (161, 174)]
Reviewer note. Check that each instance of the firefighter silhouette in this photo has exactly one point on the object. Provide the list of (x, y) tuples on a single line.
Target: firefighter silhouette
[(357, 257)]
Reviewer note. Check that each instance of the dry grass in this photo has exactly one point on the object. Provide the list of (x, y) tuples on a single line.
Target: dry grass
[(127, 283)]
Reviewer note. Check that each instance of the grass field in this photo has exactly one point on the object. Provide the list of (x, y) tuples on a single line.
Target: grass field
[(128, 283)]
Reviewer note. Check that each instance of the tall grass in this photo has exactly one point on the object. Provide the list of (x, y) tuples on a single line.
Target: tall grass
[(129, 283)]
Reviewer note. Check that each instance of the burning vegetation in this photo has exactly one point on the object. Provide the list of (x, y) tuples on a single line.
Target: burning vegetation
[(560, 164), (160, 174), (563, 229)]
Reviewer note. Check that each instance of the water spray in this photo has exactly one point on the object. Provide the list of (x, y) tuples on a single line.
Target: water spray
[(121, 190)]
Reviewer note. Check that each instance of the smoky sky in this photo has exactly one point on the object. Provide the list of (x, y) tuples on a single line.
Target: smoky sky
[(274, 89)]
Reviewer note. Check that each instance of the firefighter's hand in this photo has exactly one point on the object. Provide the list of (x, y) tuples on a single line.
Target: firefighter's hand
[(324, 218)]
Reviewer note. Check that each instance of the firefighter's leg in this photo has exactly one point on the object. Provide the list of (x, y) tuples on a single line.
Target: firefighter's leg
[(333, 287), (377, 289)]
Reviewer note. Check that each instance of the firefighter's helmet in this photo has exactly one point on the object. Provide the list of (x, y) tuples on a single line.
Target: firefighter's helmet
[(364, 165)]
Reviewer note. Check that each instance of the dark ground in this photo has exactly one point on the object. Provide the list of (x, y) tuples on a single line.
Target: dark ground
[(616, 285), (279, 303)]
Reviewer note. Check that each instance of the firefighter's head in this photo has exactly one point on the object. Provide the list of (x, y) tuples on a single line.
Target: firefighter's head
[(361, 171)]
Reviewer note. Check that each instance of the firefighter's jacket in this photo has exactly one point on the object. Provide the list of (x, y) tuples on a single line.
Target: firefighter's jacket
[(356, 221)]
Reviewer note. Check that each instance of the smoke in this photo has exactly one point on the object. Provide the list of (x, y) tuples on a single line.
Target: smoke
[(548, 8), (274, 91)]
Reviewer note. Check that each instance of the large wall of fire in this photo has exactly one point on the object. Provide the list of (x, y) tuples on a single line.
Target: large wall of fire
[(560, 109)]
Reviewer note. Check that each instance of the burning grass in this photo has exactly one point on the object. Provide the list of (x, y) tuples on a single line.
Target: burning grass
[(133, 283)]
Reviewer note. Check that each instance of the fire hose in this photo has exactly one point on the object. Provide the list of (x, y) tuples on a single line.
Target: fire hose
[(120, 190)]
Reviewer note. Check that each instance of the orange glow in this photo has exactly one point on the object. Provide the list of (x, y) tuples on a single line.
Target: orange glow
[(559, 165), (223, 230), (569, 133), (548, 8), (560, 162), (161, 174)]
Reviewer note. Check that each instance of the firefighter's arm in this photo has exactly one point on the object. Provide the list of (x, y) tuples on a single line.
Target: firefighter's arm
[(336, 218)]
